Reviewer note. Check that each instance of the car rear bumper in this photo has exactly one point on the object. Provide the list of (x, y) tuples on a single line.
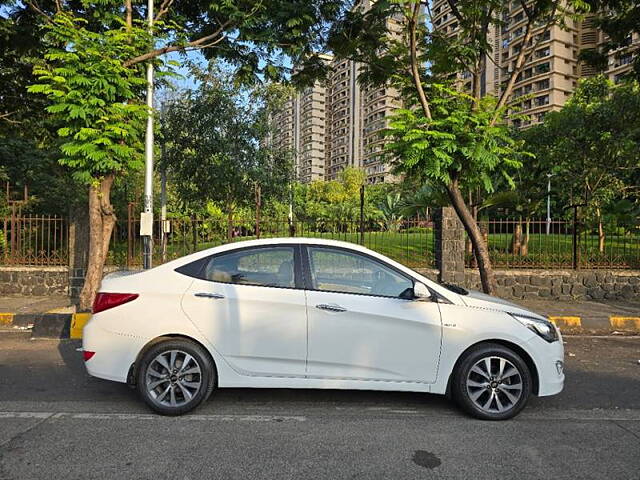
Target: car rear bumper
[(114, 353)]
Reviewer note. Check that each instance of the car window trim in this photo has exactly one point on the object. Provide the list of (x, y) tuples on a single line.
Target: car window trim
[(308, 283), (198, 272)]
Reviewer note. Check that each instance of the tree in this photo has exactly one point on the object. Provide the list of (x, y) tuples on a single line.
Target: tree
[(219, 158), (92, 76), (391, 212), (592, 146), (460, 141)]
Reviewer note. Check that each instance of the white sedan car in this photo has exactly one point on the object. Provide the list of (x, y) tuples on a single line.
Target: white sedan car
[(312, 313)]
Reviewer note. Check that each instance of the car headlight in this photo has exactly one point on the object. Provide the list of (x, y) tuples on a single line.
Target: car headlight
[(544, 328)]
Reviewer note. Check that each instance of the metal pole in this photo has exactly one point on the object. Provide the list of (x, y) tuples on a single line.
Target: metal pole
[(146, 221), (575, 238), (292, 228), (549, 175), (163, 215), (361, 214)]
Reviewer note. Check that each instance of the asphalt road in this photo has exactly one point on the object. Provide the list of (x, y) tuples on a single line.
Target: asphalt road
[(57, 422)]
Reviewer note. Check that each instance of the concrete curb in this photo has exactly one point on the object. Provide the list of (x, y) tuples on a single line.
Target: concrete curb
[(47, 325)]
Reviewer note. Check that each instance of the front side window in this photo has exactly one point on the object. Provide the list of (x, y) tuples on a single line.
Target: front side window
[(267, 267), (335, 270)]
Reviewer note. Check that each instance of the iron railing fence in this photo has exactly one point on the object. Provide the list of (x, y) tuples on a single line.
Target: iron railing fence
[(521, 243), (34, 240), (410, 242), (38, 240)]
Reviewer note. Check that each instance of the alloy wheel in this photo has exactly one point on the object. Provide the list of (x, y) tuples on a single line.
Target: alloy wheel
[(494, 384), (173, 378)]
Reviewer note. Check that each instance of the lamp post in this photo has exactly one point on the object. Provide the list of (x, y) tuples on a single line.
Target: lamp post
[(146, 217), (549, 175)]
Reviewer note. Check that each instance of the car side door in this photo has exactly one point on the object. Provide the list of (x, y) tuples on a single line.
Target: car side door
[(250, 304), (363, 325)]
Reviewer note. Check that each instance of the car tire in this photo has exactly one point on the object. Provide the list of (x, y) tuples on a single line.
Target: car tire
[(492, 382), (174, 376)]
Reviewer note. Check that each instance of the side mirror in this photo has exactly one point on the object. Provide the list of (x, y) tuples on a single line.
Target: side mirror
[(421, 292)]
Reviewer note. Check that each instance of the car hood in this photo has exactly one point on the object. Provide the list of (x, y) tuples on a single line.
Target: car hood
[(482, 300)]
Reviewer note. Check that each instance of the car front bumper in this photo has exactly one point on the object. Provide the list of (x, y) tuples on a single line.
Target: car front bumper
[(549, 360)]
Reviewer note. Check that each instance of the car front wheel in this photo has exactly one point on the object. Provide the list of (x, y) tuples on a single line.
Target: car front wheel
[(492, 383), (175, 376)]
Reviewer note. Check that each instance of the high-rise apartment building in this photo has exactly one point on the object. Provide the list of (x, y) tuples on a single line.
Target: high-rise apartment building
[(300, 126), (311, 143), (344, 122), (552, 68), (337, 124)]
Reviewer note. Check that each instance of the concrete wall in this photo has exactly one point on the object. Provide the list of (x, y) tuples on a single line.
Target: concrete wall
[(558, 284), (512, 284), (36, 281)]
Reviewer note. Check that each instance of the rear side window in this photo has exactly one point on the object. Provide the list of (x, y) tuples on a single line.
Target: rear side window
[(267, 267)]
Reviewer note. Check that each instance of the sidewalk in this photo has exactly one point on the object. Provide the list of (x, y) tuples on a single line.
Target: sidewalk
[(35, 305), (589, 316)]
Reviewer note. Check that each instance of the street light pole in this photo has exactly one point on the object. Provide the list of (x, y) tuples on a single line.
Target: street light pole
[(146, 218), (549, 175)]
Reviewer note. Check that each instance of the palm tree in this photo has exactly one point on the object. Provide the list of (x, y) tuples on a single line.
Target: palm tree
[(391, 212)]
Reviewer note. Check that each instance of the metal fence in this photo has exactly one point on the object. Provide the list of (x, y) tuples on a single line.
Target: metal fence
[(36, 240), (513, 243), (520, 243), (410, 242)]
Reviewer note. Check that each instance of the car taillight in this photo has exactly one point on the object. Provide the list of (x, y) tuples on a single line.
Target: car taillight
[(87, 355), (105, 300)]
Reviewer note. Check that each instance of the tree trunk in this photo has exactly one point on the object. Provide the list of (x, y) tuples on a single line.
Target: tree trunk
[(524, 241), (258, 205), (474, 213), (101, 222), (194, 233), (473, 231), (601, 235), (516, 239), (229, 223)]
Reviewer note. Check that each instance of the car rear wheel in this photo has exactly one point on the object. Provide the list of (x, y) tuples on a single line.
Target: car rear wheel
[(175, 376), (492, 383)]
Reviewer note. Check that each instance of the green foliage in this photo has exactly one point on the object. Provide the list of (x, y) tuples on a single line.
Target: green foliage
[(219, 158), (592, 145), (93, 96), (459, 141), (391, 212), (336, 200)]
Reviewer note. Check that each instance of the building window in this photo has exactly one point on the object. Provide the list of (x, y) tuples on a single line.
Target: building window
[(542, 100), (543, 52), (543, 68), (542, 84)]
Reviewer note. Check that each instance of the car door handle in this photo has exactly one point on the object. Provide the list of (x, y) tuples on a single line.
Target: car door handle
[(209, 295), (331, 307)]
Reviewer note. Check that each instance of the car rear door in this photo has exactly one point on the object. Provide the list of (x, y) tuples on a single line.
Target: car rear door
[(250, 304), (359, 326)]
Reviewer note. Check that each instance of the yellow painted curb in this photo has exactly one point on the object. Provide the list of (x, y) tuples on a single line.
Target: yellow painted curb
[(78, 321), (6, 318), (567, 322), (625, 323)]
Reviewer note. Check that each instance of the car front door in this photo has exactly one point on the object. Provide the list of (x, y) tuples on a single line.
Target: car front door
[(360, 327), (250, 304)]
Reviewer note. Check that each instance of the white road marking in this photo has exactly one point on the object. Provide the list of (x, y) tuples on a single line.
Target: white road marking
[(143, 416)]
